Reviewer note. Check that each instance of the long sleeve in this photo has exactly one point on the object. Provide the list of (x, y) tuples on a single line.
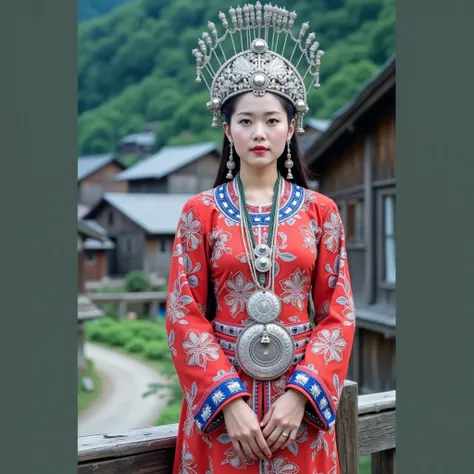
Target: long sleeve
[(207, 378), (320, 375)]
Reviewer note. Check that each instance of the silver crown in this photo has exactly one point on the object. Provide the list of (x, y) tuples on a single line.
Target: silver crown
[(259, 65)]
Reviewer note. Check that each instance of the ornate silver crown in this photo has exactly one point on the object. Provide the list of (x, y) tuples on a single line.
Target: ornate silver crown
[(260, 64)]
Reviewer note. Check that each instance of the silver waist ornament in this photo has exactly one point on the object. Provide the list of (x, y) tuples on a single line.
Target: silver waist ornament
[(265, 349)]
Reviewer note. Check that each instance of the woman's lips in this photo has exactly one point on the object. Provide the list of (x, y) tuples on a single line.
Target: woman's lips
[(259, 150)]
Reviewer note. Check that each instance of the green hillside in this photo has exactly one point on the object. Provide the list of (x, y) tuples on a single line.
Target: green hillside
[(135, 64), (88, 9)]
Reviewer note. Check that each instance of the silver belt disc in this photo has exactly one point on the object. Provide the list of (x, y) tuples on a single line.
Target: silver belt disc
[(265, 361), (264, 307)]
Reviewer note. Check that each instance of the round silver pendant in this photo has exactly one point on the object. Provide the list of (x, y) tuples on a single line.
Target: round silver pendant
[(262, 250), (265, 361), (264, 306), (263, 264)]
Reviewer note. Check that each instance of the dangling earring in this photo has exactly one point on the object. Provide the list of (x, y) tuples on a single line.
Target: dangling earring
[(289, 163), (230, 161)]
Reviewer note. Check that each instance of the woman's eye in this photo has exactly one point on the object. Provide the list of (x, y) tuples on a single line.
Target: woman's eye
[(245, 121), (273, 120)]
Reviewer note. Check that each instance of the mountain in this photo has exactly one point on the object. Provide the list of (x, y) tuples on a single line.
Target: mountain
[(136, 67)]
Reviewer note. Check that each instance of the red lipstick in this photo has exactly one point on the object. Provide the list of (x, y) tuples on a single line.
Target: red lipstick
[(259, 150)]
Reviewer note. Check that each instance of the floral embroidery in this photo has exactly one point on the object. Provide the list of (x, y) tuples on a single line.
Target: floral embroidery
[(333, 231), (322, 312), (239, 289), (301, 438), (282, 465), (189, 231), (187, 461), (177, 302), (295, 289), (311, 236), (200, 348), (330, 344), (219, 239), (207, 197), (190, 395), (171, 338)]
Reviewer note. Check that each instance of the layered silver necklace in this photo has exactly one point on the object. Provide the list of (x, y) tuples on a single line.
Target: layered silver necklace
[(265, 349)]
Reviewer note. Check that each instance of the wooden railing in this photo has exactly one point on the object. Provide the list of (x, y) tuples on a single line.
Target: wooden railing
[(365, 426)]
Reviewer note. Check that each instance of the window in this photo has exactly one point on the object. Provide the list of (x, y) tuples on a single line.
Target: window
[(90, 257), (389, 266), (163, 246)]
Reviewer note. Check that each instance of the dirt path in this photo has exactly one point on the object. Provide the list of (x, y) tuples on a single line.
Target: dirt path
[(120, 406)]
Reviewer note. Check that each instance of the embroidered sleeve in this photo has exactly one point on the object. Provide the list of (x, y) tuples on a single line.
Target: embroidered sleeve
[(321, 374), (207, 378)]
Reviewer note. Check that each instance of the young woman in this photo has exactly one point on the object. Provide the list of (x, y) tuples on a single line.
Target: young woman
[(261, 381)]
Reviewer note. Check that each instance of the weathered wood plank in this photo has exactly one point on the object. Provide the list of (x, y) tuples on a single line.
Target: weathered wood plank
[(376, 432), (115, 445), (346, 430), (155, 462), (383, 462), (377, 402)]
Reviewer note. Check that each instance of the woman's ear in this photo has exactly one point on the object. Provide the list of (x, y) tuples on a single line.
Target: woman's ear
[(227, 131), (291, 129)]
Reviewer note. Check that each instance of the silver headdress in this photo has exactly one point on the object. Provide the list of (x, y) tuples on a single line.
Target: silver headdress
[(260, 65)]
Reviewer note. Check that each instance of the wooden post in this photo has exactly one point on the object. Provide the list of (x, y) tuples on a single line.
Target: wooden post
[(346, 429), (122, 309), (154, 310), (383, 462)]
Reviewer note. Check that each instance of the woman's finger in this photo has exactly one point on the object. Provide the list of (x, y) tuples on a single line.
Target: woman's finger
[(256, 449), (289, 440), (248, 450), (281, 439), (262, 443), (272, 439), (238, 450)]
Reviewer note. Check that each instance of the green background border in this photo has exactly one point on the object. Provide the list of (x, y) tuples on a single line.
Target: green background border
[(435, 251), (38, 151)]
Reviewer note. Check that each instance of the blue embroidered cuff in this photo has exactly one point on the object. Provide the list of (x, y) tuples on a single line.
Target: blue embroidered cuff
[(208, 416), (319, 410)]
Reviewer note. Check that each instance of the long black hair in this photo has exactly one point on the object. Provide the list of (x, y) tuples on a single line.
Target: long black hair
[(298, 170)]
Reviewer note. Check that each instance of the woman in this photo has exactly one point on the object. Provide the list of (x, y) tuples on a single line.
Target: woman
[(261, 383)]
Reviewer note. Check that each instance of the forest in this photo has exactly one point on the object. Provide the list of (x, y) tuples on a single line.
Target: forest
[(135, 65)]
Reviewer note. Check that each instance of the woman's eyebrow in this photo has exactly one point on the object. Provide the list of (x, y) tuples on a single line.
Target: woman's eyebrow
[(251, 114)]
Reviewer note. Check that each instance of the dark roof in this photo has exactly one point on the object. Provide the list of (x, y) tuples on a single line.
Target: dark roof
[(90, 229), (369, 94)]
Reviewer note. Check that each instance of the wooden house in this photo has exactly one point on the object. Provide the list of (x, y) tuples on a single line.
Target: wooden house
[(354, 160), (142, 228), (86, 309), (174, 169), (95, 177), (140, 144)]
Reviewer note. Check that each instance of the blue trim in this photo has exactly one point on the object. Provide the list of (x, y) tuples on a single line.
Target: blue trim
[(289, 209), (227, 389), (317, 394)]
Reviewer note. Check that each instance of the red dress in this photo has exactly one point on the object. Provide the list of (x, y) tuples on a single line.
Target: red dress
[(311, 266)]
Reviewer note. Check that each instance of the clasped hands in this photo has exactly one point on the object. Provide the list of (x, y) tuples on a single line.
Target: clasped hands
[(278, 428)]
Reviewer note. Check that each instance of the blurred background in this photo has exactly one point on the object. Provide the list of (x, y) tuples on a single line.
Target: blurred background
[(145, 146)]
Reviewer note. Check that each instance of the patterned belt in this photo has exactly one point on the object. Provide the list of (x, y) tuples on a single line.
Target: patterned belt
[(227, 334)]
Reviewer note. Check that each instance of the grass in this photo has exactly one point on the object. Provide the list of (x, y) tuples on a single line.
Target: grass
[(86, 399), (364, 465)]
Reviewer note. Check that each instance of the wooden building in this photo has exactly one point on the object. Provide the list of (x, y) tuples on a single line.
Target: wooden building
[(174, 169), (141, 227), (140, 144), (354, 161), (95, 177)]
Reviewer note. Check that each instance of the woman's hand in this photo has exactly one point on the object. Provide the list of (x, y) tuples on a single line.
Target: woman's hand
[(245, 432), (284, 416)]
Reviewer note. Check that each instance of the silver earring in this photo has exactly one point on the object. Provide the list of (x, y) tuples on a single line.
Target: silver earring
[(230, 161), (289, 163)]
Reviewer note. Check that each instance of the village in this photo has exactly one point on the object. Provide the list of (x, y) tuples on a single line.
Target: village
[(127, 217)]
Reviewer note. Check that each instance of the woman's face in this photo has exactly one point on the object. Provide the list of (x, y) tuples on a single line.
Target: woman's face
[(259, 130)]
